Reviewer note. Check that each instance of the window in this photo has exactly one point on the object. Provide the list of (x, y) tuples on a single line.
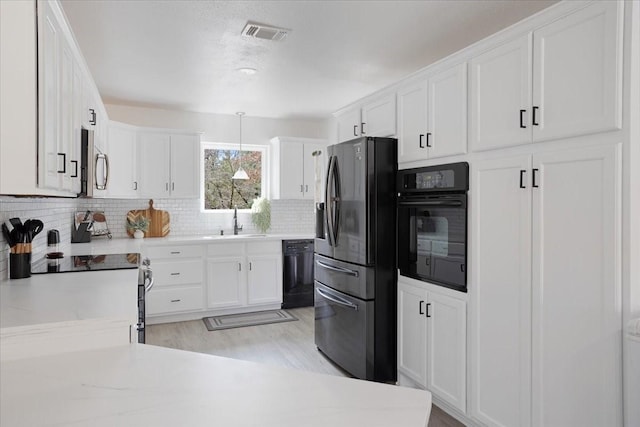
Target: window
[(220, 163)]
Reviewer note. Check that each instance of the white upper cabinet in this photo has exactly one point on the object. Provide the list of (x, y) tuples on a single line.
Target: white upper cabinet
[(578, 73), (447, 112), (432, 116), (51, 165), (374, 118), (500, 92), (123, 182), (293, 167), (349, 125), (154, 154), (66, 96), (185, 167), (379, 117), (562, 80), (412, 122), (168, 164)]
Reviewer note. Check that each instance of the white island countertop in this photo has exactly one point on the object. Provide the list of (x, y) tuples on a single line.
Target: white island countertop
[(144, 385)]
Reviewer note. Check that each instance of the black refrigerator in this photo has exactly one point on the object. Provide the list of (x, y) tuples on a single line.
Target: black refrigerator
[(355, 267)]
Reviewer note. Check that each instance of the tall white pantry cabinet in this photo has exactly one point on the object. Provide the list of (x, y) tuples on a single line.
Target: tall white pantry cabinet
[(550, 189)]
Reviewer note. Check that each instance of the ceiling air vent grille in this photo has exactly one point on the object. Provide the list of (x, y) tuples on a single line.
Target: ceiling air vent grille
[(264, 32)]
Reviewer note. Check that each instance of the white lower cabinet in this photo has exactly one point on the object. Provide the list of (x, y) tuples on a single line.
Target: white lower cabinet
[(545, 294), (241, 275), (432, 342), (177, 272), (225, 282)]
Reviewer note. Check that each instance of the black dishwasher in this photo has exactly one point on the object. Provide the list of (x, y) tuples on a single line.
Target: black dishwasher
[(297, 272)]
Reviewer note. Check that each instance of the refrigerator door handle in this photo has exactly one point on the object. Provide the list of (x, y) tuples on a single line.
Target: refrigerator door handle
[(337, 269), (336, 200), (328, 201), (337, 300)]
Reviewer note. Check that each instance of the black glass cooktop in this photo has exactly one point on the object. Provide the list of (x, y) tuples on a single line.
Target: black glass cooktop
[(75, 263)]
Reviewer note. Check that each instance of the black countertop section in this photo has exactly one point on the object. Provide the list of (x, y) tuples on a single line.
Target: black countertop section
[(69, 264)]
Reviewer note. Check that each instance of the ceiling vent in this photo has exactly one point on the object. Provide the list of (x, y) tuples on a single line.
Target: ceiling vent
[(264, 32)]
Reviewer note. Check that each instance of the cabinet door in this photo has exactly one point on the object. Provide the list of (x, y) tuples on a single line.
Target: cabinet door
[(122, 161), (185, 170), (447, 112), (66, 115), (349, 124), (578, 73), (77, 125), (500, 89), (264, 284), (153, 161), (50, 164), (225, 284), (500, 312), (412, 123), (447, 349), (576, 294), (379, 117), (412, 333), (291, 170)]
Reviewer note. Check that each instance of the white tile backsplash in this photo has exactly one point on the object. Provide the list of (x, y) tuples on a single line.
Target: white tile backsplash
[(287, 217)]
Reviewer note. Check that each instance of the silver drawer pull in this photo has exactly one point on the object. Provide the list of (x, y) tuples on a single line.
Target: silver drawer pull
[(175, 274), (175, 300), (337, 300), (175, 253)]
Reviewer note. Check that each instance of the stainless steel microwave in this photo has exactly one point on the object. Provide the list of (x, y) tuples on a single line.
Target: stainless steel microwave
[(94, 166)]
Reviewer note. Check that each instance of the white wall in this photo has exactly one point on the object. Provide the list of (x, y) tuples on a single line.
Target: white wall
[(220, 127)]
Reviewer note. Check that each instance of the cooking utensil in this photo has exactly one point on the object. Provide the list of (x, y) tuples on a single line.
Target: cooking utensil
[(7, 235)]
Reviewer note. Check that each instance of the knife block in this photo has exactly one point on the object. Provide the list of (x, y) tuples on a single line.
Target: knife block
[(81, 235)]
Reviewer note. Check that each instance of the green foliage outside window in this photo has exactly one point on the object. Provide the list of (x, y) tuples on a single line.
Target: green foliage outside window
[(220, 191)]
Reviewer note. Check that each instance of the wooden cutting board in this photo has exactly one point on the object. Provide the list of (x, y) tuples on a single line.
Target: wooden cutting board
[(159, 226)]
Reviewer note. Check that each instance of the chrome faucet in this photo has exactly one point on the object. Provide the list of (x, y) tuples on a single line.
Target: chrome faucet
[(236, 227)]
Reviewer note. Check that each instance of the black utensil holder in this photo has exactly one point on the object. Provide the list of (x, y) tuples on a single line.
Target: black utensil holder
[(19, 266)]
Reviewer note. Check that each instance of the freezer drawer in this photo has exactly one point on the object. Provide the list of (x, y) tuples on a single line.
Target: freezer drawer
[(344, 330)]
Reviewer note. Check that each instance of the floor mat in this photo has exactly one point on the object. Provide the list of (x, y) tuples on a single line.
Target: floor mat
[(229, 321)]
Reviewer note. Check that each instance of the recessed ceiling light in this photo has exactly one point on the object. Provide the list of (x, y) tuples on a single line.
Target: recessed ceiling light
[(247, 71)]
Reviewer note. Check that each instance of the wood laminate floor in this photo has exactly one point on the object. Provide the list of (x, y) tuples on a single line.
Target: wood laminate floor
[(288, 344)]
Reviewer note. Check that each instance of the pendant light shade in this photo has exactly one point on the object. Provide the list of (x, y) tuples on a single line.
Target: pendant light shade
[(240, 173)]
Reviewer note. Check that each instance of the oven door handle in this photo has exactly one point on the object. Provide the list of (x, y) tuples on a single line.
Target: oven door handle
[(337, 300), (149, 285), (337, 269), (450, 203)]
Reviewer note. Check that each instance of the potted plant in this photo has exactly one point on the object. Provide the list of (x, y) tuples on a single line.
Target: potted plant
[(139, 225), (261, 214)]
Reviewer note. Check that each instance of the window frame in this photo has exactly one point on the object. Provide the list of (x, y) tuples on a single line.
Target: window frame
[(264, 181)]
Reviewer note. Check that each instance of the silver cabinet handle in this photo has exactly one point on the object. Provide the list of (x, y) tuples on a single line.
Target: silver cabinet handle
[(175, 300), (337, 300), (175, 274), (175, 252)]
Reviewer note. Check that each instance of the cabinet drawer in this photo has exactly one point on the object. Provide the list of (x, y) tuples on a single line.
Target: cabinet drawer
[(169, 300), (183, 251), (177, 273)]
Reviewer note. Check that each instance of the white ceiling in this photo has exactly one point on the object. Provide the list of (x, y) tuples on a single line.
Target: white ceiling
[(184, 54)]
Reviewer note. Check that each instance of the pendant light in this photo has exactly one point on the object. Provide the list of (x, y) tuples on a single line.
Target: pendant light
[(240, 173)]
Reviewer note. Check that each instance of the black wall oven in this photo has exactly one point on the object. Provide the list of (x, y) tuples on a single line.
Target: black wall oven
[(432, 224)]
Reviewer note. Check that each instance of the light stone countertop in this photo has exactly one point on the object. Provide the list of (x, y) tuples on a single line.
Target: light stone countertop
[(144, 385)]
